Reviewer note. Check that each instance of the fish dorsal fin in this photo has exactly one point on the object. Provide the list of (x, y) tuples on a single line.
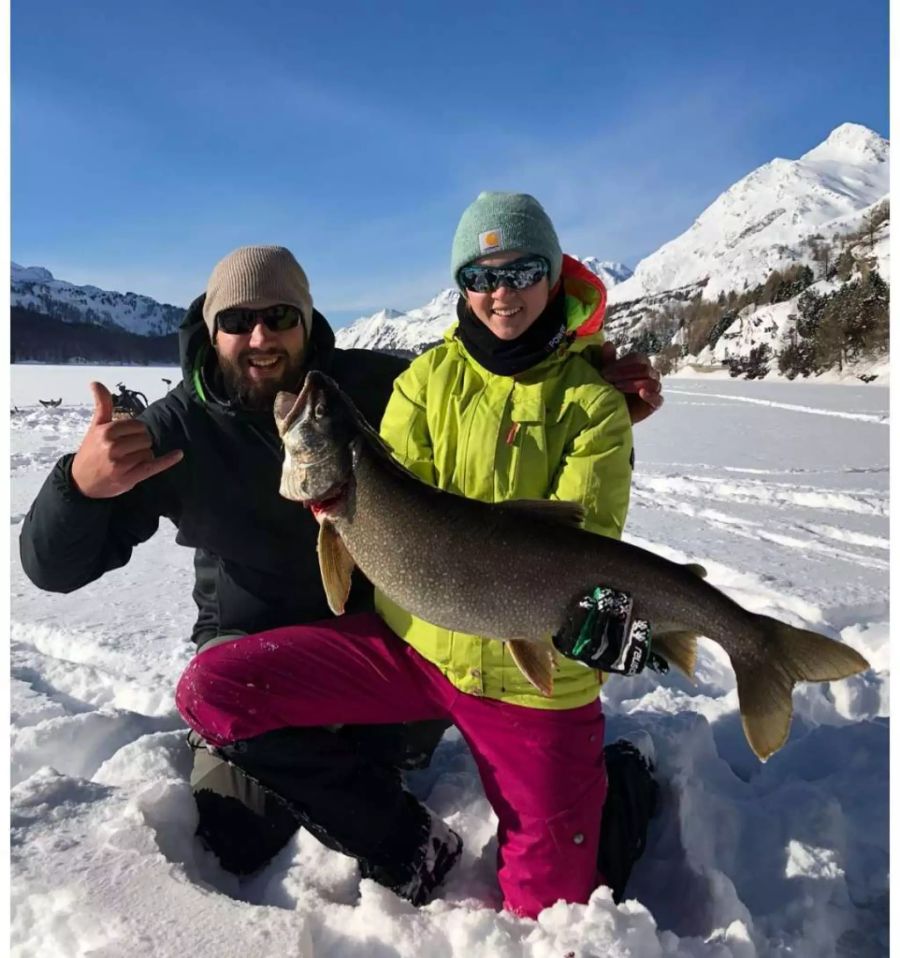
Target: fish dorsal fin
[(535, 662), (336, 566), (696, 568), (554, 510)]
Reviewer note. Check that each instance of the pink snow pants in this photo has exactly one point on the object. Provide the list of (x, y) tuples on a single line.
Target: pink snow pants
[(542, 770)]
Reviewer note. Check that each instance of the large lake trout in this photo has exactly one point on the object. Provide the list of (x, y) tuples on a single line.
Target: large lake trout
[(511, 571)]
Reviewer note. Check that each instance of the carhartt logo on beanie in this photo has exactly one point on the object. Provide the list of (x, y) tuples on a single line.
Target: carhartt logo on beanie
[(262, 275), (497, 222)]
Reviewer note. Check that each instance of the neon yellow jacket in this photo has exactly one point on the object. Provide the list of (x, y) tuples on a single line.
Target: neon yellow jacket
[(557, 431)]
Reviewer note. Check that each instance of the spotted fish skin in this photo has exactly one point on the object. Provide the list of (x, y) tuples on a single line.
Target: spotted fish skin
[(510, 571)]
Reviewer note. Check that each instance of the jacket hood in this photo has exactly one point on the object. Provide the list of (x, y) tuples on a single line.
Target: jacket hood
[(585, 298), (200, 372)]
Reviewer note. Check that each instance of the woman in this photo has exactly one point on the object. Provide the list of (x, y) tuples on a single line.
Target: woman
[(509, 406)]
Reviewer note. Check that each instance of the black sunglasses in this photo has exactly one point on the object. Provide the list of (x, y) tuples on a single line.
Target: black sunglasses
[(519, 274), (241, 320)]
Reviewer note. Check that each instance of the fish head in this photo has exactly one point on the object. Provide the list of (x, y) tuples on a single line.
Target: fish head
[(317, 428)]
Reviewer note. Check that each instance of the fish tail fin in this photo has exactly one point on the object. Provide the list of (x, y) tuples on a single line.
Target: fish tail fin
[(678, 648), (789, 655)]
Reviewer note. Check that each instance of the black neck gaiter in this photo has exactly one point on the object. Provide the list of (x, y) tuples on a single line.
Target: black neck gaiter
[(509, 357)]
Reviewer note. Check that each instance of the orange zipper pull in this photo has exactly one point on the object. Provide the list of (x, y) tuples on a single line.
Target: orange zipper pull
[(513, 432)]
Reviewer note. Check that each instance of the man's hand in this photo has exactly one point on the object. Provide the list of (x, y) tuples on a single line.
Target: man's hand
[(115, 456), (634, 376)]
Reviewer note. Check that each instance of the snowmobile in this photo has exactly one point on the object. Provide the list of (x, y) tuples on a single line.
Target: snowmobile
[(127, 402)]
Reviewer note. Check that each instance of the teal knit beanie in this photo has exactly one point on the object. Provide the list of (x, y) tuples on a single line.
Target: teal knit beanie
[(497, 222)]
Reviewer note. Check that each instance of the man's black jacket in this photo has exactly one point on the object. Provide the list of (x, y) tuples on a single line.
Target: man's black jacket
[(255, 558)]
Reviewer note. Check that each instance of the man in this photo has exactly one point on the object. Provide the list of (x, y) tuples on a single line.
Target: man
[(207, 457)]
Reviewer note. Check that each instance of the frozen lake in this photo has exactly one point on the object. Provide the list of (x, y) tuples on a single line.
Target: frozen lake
[(780, 489)]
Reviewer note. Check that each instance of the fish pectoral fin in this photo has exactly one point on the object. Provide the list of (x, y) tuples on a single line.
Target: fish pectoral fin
[(697, 569), (554, 510), (765, 682), (535, 662), (336, 566), (678, 648)]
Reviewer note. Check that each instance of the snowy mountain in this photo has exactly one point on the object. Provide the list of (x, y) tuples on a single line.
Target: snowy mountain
[(35, 288), (760, 223), (611, 273), (774, 325), (390, 330), (846, 270), (764, 222), (393, 331), (769, 220)]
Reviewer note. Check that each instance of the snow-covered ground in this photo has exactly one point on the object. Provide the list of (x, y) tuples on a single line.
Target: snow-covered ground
[(781, 490)]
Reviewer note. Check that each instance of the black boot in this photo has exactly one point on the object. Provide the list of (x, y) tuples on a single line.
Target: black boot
[(631, 800), (254, 794), (417, 880)]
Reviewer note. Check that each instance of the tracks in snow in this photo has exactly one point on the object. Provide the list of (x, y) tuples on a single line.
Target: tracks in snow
[(879, 418), (77, 700), (753, 505)]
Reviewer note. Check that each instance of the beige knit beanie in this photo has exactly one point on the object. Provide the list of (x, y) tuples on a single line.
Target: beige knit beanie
[(262, 275)]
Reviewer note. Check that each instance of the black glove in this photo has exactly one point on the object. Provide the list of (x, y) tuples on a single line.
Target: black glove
[(601, 634)]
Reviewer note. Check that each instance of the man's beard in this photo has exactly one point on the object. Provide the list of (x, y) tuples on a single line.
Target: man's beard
[(259, 396)]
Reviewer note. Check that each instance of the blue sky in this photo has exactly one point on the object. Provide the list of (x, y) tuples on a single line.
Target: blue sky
[(149, 140)]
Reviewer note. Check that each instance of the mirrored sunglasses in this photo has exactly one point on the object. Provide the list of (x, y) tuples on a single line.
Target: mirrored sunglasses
[(520, 274), (240, 320)]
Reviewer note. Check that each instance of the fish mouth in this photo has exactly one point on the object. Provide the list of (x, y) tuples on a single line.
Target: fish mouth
[(315, 382), (290, 411), (331, 503)]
